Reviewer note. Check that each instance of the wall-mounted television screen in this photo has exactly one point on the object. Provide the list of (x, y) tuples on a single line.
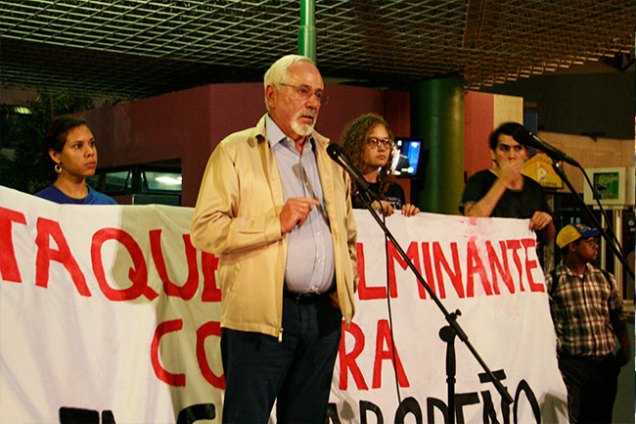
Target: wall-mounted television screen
[(406, 157)]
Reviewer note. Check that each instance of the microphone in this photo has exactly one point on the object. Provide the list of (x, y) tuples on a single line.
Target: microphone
[(338, 155), (524, 136)]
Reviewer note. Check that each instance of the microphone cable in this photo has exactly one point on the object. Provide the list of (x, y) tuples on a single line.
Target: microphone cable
[(389, 310), (359, 184)]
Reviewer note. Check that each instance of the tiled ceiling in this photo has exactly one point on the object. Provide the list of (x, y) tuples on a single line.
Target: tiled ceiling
[(137, 48)]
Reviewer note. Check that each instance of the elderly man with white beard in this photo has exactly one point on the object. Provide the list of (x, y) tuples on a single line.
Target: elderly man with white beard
[(276, 211)]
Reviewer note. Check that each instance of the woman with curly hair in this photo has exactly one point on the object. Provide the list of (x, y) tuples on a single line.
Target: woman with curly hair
[(368, 143)]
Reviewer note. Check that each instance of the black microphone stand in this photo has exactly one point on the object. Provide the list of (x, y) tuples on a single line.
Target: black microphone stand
[(556, 165), (447, 333)]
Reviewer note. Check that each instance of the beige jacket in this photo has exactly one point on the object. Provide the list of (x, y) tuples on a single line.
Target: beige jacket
[(237, 219)]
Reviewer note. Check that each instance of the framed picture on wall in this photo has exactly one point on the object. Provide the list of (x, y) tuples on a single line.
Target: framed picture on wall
[(608, 184)]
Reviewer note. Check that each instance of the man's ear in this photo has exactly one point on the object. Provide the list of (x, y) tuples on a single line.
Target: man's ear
[(270, 94), (572, 247)]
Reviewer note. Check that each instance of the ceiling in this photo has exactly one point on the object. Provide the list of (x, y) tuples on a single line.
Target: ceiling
[(137, 48)]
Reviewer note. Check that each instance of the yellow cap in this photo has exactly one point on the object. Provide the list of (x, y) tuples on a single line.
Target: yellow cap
[(571, 233)]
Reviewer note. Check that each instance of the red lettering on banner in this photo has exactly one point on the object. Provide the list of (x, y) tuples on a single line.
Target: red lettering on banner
[(189, 288), (490, 267), (440, 262), (365, 292), (454, 274), (383, 338), (137, 275), (414, 255), (515, 245), (8, 264), (211, 292), (208, 329), (475, 266), (530, 265), (428, 268), (496, 267), (47, 229), (178, 380), (347, 361)]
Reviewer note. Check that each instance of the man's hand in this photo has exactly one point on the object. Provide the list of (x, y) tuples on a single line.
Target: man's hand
[(510, 173), (623, 355), (295, 212), (540, 220)]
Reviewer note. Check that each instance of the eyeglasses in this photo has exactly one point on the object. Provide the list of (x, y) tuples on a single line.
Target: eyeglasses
[(374, 143), (305, 93)]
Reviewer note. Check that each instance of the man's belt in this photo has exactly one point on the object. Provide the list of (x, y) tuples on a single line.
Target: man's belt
[(305, 298)]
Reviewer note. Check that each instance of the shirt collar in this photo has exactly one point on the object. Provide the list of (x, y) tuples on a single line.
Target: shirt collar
[(588, 269), (275, 135)]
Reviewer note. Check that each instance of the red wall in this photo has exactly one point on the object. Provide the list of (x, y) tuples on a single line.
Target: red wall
[(187, 125), (478, 124)]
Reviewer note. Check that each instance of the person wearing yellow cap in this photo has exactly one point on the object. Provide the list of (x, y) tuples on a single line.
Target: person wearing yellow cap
[(588, 316)]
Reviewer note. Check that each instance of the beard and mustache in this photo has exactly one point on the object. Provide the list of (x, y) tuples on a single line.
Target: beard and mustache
[(304, 129)]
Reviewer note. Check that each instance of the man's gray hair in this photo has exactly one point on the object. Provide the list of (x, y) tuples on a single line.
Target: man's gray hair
[(277, 73)]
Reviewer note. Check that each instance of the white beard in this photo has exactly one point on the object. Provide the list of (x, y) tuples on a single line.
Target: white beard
[(303, 130)]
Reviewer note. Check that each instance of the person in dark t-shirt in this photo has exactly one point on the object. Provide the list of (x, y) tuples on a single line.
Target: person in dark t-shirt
[(503, 191)]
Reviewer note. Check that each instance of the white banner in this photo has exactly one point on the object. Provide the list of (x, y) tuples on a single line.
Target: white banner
[(108, 314)]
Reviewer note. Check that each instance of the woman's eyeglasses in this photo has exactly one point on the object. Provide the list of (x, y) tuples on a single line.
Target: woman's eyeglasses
[(374, 143)]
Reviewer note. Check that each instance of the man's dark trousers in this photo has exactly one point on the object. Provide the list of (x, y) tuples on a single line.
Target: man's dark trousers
[(297, 371)]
